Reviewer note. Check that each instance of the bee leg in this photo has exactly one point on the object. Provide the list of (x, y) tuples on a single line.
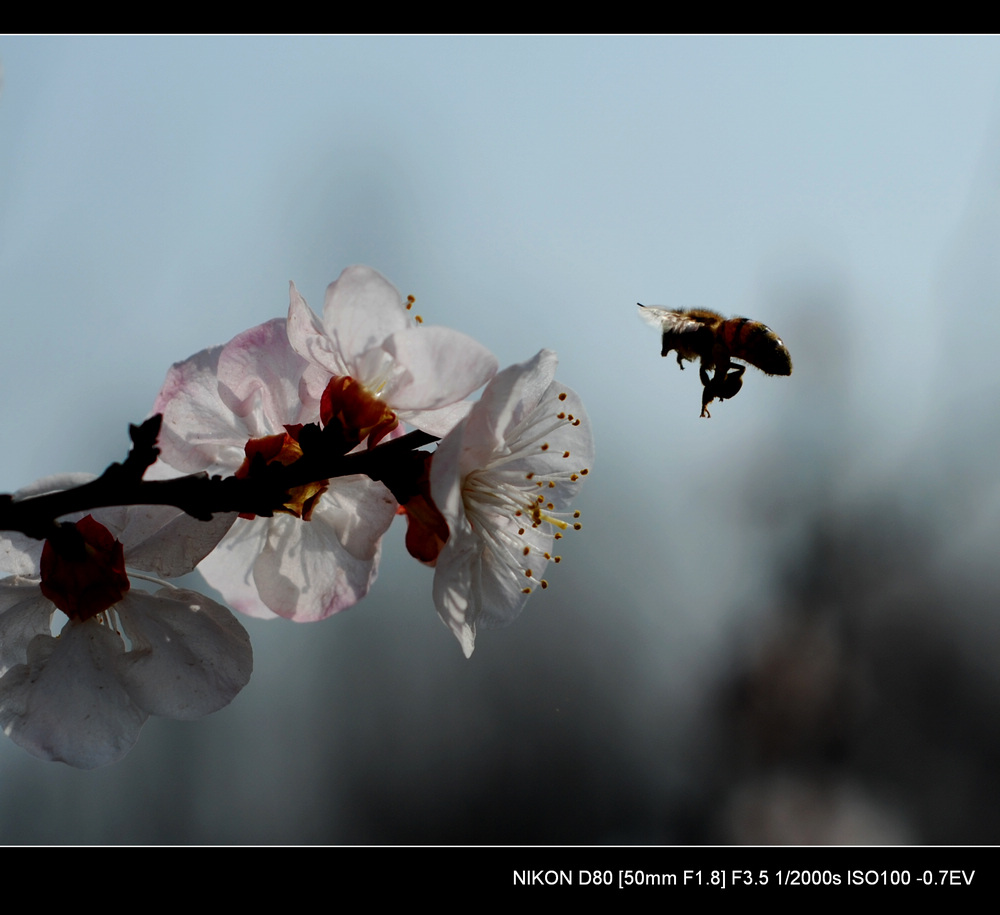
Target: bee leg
[(709, 394), (730, 385), (724, 385)]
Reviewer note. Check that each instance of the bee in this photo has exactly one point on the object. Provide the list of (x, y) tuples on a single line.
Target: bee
[(700, 334)]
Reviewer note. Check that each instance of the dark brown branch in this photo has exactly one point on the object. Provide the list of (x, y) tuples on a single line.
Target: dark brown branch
[(201, 496)]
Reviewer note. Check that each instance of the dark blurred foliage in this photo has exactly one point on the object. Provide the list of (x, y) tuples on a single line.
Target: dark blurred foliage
[(862, 715)]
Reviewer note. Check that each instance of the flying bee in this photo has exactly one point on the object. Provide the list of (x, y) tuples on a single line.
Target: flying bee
[(700, 334)]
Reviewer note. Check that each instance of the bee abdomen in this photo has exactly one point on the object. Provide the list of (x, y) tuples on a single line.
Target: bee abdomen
[(758, 345)]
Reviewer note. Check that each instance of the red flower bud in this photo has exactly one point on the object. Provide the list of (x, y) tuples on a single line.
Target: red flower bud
[(83, 572)]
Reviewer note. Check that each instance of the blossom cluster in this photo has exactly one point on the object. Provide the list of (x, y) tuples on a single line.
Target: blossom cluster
[(318, 408)]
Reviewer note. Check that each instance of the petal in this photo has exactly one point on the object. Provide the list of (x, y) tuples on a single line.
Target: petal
[(199, 431), (509, 398), (446, 476), (526, 435), (259, 375), (362, 308), (501, 583), (189, 655), (55, 483), (310, 570), (308, 338), (19, 555), (480, 579), (166, 541), (24, 614), (443, 367), (520, 411), (367, 334), (229, 567), (69, 702), (440, 422), (453, 591)]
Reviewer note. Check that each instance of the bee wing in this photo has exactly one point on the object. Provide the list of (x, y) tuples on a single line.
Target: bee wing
[(667, 321)]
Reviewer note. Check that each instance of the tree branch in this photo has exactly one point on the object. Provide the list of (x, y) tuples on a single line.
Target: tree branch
[(263, 491)]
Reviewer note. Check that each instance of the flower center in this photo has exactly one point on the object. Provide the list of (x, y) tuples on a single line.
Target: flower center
[(357, 412), (284, 449), (517, 511)]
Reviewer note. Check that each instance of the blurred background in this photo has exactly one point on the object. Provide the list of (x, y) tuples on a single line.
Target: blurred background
[(779, 625)]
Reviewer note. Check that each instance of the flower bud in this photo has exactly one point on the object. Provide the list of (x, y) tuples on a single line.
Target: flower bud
[(83, 569)]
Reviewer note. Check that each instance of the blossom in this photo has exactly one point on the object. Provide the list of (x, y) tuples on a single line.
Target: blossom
[(124, 653), (503, 480), (320, 554), (421, 374)]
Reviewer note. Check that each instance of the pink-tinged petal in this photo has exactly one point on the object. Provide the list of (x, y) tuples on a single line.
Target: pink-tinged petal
[(443, 367), (309, 571), (229, 567), (219, 398), (307, 337), (68, 702), (199, 431), (258, 375), (312, 384), (305, 570), (24, 614), (189, 655)]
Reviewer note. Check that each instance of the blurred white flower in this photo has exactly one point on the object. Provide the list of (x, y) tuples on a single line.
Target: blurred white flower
[(124, 654), (503, 480)]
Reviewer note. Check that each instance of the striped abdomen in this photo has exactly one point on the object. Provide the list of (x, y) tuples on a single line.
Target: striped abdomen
[(756, 344)]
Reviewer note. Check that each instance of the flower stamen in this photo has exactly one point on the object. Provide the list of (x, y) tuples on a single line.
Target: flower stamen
[(495, 490)]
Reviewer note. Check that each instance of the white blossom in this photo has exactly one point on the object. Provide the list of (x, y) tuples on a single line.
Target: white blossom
[(301, 568), (367, 333), (504, 480), (82, 696)]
